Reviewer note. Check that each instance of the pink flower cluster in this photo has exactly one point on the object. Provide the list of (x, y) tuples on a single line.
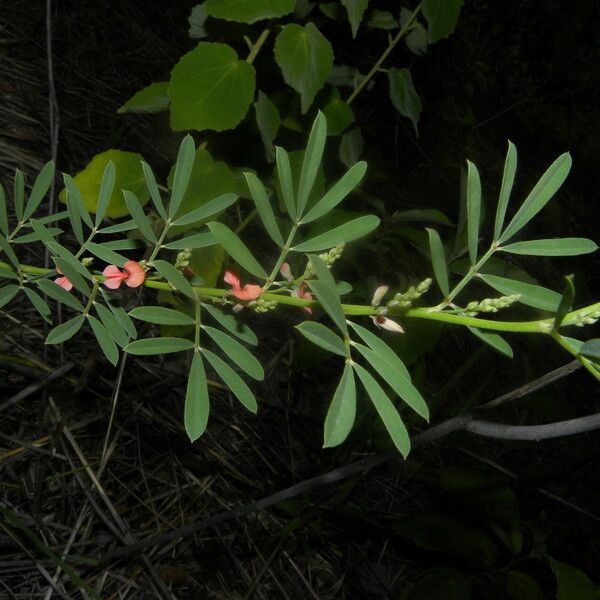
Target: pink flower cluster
[(132, 274)]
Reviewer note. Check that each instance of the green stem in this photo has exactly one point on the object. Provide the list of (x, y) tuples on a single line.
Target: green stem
[(407, 27), (158, 244), (282, 255), (262, 38), (563, 343), (197, 335)]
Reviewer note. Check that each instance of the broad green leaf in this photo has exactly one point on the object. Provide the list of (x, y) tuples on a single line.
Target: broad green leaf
[(351, 147), (352, 230), (232, 380), (105, 341), (382, 19), (233, 325), (566, 301), (8, 273), (305, 58), (151, 99), (175, 278), (356, 10), (236, 249), (438, 260), (65, 331), (395, 379), (39, 304), (403, 95), (160, 315), (40, 188), (573, 584), (327, 294), (153, 190), (236, 353), (442, 17), (19, 194), (112, 325), (342, 410), (386, 410), (160, 345), (268, 122), (531, 295), (182, 173), (211, 182), (591, 349), (473, 209), (417, 41), (106, 254), (284, 172), (3, 213), (322, 336), (539, 196), (100, 184), (263, 206), (312, 160), (493, 340), (197, 401), (245, 11), (382, 349), (7, 293), (207, 263), (337, 193), (508, 178), (552, 247), (210, 88), (52, 289), (338, 113), (198, 240)]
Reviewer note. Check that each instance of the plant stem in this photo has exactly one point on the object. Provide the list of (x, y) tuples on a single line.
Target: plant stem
[(282, 255), (386, 52), (262, 38), (158, 244), (569, 348)]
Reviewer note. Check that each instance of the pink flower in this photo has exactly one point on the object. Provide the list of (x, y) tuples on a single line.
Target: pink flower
[(304, 295), (248, 292), (133, 275), (63, 281)]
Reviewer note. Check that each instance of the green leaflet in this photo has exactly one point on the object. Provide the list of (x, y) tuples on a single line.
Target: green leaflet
[(197, 401), (531, 295), (438, 260), (322, 336), (198, 240), (210, 209), (386, 410), (508, 178), (106, 254), (39, 304), (403, 95), (236, 249), (263, 206), (7, 293), (243, 11), (473, 209), (342, 410), (160, 345), (175, 278), (356, 10), (161, 315), (137, 213), (552, 247), (236, 353), (151, 99), (233, 325), (112, 325), (566, 301), (312, 160), (183, 171), (494, 340), (232, 380), (284, 171), (105, 340), (40, 188), (591, 349), (268, 122), (105, 192), (352, 230), (442, 16), (72, 275), (61, 333), (337, 193), (153, 190)]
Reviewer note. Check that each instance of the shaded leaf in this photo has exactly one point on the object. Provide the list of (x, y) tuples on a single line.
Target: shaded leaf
[(153, 190), (591, 349), (473, 209), (161, 315), (106, 254), (40, 188), (342, 410), (3, 213), (566, 301), (112, 325), (263, 206), (322, 336), (356, 10), (268, 122), (105, 341), (552, 247), (243, 11), (338, 113), (198, 240), (182, 173), (233, 325), (160, 345), (531, 295), (312, 161), (65, 331), (52, 289), (438, 260), (175, 278), (442, 17), (352, 230), (284, 172), (493, 340), (197, 401), (151, 99), (7, 293), (403, 95), (351, 147), (508, 178)]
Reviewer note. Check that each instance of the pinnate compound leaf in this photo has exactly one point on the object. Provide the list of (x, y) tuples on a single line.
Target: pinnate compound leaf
[(352, 230), (337, 193), (248, 11), (342, 410), (244, 359), (159, 345), (197, 401), (322, 336), (175, 278), (473, 209), (100, 183), (210, 88), (442, 17), (508, 179), (233, 325), (232, 380), (386, 410), (552, 247), (263, 206), (403, 95), (493, 340), (161, 315), (40, 188), (105, 340), (52, 289), (539, 196), (438, 260), (305, 57), (65, 331), (151, 99), (531, 295), (236, 249)]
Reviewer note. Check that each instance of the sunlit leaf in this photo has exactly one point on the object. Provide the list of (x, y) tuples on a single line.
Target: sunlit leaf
[(106, 254), (175, 278), (112, 324), (52, 289), (352, 230), (160, 315), (153, 190), (233, 325), (322, 336), (284, 171), (65, 331), (342, 410), (263, 206)]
